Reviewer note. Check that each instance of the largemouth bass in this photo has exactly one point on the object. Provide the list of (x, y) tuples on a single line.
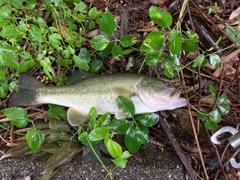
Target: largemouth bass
[(148, 94)]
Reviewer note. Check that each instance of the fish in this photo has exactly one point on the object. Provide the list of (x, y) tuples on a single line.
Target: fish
[(84, 91)]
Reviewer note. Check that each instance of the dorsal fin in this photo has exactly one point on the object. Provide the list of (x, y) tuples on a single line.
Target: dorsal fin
[(77, 76)]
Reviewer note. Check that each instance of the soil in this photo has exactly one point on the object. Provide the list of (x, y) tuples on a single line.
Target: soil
[(161, 165)]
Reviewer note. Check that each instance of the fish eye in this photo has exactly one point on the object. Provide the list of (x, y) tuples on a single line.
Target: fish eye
[(168, 85)]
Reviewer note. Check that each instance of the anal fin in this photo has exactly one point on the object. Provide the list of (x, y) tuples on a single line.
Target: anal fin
[(75, 118)]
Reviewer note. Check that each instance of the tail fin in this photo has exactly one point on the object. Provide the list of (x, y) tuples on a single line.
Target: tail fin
[(27, 94)]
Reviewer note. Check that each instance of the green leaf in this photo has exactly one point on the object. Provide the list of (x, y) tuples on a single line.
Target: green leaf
[(126, 106), (83, 139), (93, 114), (163, 19), (7, 59), (98, 134), (224, 109), (152, 60), (113, 148), (215, 60), (215, 116), (120, 162), (9, 32), (56, 111), (7, 48), (35, 138), (152, 42), (5, 11), (80, 63), (99, 42), (17, 116), (175, 42), (212, 90), (210, 125), (91, 25), (55, 40), (200, 61), (231, 34), (4, 88), (168, 70), (104, 119), (84, 55), (128, 40), (93, 13), (135, 136), (108, 23), (35, 34), (222, 99), (96, 66), (148, 120), (117, 51), (119, 125)]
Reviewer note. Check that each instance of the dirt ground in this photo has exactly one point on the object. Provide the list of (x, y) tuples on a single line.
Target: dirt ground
[(161, 165)]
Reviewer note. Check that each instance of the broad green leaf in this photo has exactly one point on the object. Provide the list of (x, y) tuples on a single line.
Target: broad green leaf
[(35, 34), (83, 139), (104, 119), (80, 6), (55, 40), (113, 148), (17, 116), (215, 116), (200, 61), (168, 70), (148, 120), (119, 125), (99, 42), (4, 88), (175, 42), (3, 75), (35, 138), (224, 109), (96, 66), (163, 19), (93, 114), (231, 34), (128, 40), (80, 63), (93, 13), (126, 106), (190, 41), (108, 23), (9, 32), (120, 162), (84, 55), (92, 25), (7, 48), (5, 11), (215, 60), (117, 51), (151, 44), (133, 139), (56, 111), (135, 136), (210, 125), (98, 134), (7, 59), (152, 60), (222, 99)]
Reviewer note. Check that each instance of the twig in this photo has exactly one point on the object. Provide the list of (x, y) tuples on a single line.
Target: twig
[(177, 148), (194, 132)]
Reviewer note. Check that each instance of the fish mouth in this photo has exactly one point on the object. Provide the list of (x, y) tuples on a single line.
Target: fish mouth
[(176, 94)]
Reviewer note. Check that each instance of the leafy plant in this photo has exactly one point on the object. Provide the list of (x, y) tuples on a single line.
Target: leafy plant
[(212, 118)]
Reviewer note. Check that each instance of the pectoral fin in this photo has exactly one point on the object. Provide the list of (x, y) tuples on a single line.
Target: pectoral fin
[(75, 118), (123, 92)]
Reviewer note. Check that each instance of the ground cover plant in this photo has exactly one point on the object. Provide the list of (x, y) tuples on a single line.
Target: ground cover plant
[(51, 38)]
